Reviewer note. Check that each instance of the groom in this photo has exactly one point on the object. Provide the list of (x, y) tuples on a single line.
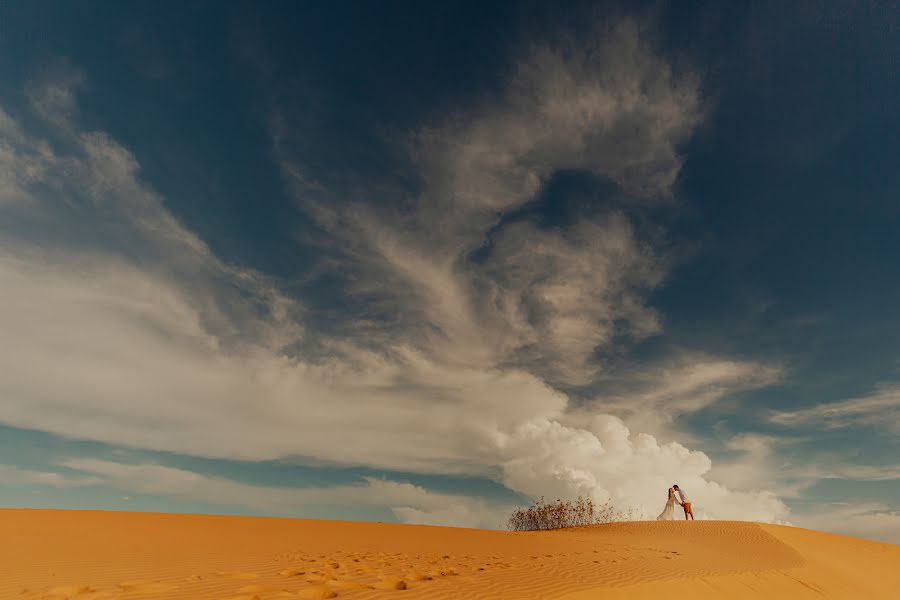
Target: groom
[(685, 503)]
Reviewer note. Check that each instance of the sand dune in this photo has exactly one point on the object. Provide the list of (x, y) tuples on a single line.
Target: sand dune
[(86, 555)]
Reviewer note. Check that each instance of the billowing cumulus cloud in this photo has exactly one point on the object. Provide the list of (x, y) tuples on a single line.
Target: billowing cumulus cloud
[(607, 462), (470, 317)]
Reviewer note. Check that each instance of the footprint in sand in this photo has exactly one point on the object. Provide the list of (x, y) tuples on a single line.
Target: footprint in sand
[(392, 583), (349, 585), (237, 575), (257, 589), (317, 593), (145, 587), (269, 593), (69, 590)]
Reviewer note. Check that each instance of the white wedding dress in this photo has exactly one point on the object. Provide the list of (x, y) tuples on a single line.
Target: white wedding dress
[(668, 513)]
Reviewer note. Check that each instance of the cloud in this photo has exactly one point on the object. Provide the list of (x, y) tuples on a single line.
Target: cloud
[(558, 296), (53, 96), (866, 520), (752, 464), (652, 396), (756, 461), (123, 327), (851, 472), (880, 409), (410, 503), (538, 298), (611, 106), (23, 161), (607, 462), (12, 475)]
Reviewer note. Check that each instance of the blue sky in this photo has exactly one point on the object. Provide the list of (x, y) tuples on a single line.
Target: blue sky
[(423, 264)]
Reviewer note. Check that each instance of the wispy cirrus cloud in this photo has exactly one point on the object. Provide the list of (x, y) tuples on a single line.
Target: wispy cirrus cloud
[(463, 325), (870, 520), (53, 95), (853, 472), (13, 475), (455, 264), (609, 105), (757, 461), (879, 409), (652, 396), (410, 503)]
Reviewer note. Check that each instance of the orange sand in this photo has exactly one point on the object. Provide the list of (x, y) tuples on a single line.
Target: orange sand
[(85, 555)]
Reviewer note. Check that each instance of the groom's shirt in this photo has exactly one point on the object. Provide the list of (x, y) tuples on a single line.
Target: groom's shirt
[(684, 497)]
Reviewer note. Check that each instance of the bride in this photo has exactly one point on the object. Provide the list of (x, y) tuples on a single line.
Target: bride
[(668, 513)]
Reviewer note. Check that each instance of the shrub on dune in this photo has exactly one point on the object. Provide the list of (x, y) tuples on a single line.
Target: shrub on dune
[(560, 514)]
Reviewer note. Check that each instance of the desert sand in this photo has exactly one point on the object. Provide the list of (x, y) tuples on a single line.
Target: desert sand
[(89, 555)]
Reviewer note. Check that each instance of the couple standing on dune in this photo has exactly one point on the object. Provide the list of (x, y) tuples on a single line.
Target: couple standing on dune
[(668, 513)]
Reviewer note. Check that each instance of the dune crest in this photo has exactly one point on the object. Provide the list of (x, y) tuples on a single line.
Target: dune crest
[(90, 555)]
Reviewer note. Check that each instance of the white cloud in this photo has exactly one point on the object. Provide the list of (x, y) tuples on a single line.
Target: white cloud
[(652, 396), (880, 409), (606, 461), (53, 96), (555, 297), (23, 161), (753, 464), (541, 299), (757, 461), (410, 503), (850, 472), (11, 475), (123, 327), (613, 107), (866, 520)]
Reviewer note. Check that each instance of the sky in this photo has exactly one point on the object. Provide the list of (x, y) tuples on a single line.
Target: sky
[(425, 263)]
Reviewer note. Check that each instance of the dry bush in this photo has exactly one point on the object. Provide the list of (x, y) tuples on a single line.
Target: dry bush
[(559, 514)]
